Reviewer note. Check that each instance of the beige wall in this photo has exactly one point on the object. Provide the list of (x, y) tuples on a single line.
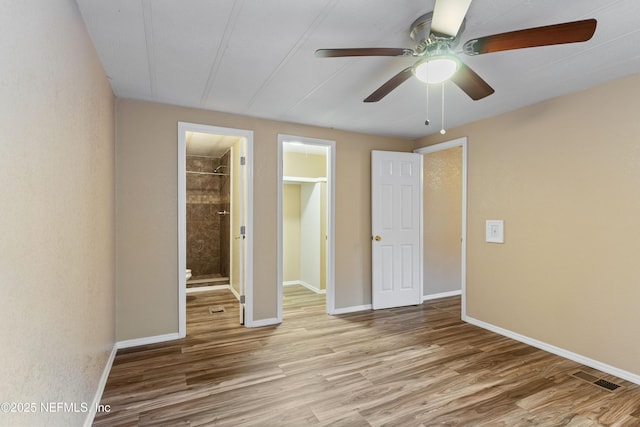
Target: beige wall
[(310, 243), (291, 232), (57, 214), (146, 196), (304, 165), (565, 177), (304, 233), (442, 221)]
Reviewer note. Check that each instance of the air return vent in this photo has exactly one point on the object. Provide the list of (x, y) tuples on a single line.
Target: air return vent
[(607, 385), (216, 309)]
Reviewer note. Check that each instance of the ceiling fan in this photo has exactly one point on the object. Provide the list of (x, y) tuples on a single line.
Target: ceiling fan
[(437, 33)]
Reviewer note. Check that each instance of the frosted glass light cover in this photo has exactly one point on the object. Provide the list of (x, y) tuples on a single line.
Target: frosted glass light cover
[(435, 70)]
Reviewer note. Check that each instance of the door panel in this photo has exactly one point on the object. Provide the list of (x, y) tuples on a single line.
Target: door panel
[(396, 250)]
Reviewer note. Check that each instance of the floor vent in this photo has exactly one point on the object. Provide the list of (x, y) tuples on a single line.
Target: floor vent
[(607, 385), (216, 309)]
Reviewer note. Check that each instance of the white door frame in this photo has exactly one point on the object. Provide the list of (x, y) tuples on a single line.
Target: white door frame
[(331, 215), (460, 142), (183, 128)]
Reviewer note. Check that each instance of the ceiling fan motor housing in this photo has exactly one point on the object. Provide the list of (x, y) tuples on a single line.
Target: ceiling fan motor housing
[(428, 42), (420, 31)]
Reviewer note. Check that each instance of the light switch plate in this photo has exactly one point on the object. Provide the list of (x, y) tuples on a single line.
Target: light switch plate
[(495, 231)]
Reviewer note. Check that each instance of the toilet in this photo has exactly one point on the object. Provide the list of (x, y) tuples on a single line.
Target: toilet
[(188, 274)]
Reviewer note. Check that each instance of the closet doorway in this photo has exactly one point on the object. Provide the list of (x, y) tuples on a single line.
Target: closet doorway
[(306, 216)]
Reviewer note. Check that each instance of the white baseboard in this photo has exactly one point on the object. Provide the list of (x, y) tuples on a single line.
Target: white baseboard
[(206, 288), (91, 414), (234, 292), (290, 283), (305, 284), (263, 322), (148, 340), (214, 288), (312, 288), (212, 280), (441, 295), (352, 309), (626, 375)]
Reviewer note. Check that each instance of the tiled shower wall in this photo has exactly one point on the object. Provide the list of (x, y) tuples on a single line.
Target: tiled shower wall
[(207, 228)]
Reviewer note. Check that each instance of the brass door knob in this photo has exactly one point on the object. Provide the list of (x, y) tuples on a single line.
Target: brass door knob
[(378, 238)]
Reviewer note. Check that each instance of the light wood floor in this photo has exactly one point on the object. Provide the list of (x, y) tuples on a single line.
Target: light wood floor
[(411, 366)]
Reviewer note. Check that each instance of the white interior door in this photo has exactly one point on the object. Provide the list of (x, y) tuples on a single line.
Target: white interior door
[(396, 204)]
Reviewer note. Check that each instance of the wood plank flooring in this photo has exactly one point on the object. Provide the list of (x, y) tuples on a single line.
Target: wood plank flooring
[(410, 366)]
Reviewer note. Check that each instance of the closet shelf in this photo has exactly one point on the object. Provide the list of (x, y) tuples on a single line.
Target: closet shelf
[(300, 179)]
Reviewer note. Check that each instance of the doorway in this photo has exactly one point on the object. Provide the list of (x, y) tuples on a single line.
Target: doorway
[(208, 186), (215, 192), (306, 217), (445, 220)]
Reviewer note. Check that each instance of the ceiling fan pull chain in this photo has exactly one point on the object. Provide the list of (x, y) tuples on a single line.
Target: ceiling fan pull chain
[(426, 122), (443, 131)]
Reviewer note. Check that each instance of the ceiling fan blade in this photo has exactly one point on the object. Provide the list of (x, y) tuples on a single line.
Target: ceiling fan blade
[(364, 51), (390, 85), (448, 16), (569, 32), (471, 83)]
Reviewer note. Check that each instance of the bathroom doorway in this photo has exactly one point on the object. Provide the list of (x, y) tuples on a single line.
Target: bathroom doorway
[(208, 185), (306, 217), (215, 214)]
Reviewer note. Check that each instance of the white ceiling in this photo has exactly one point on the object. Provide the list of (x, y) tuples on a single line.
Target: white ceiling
[(256, 57), (208, 144)]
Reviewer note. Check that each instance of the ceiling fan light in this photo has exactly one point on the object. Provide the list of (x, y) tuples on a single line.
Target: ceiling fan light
[(435, 69)]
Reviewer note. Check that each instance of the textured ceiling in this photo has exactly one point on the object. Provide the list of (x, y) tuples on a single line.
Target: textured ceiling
[(256, 57)]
